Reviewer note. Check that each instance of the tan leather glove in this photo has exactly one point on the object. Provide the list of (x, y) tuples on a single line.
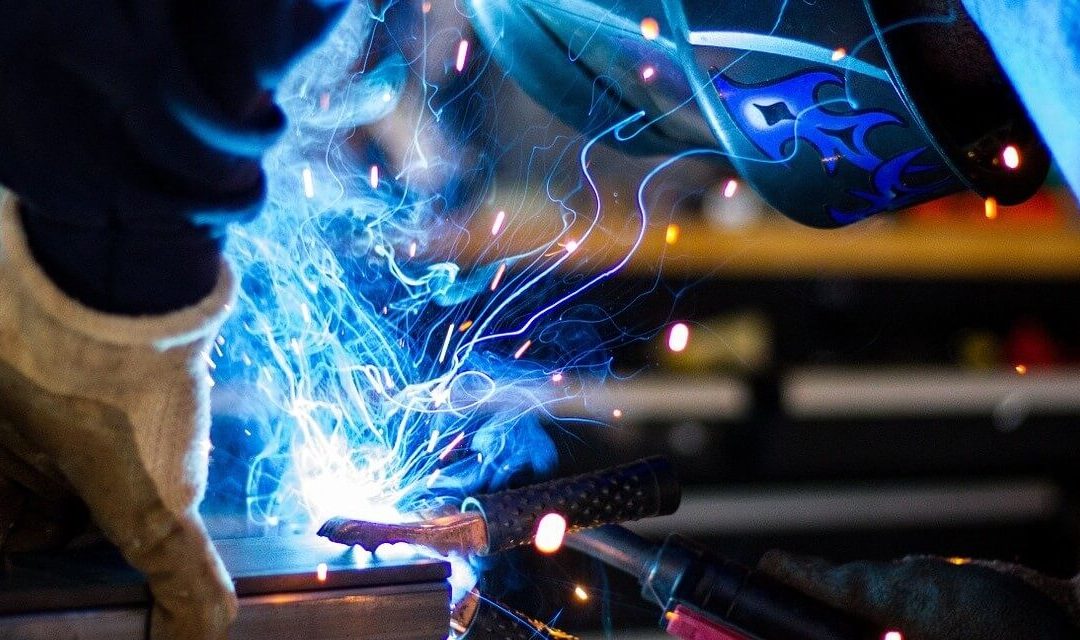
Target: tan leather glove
[(116, 410), (929, 598)]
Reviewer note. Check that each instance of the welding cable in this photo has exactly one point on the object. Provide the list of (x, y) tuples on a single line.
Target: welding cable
[(681, 575)]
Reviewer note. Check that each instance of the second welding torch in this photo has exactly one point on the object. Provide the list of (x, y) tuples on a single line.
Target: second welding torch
[(707, 597)]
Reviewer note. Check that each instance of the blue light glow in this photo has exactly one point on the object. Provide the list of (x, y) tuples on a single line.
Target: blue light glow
[(385, 378)]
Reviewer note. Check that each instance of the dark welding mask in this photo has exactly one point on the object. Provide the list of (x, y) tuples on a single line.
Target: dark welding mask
[(833, 110)]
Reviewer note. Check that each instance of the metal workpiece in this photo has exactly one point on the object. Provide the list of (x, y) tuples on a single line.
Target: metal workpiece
[(289, 587)]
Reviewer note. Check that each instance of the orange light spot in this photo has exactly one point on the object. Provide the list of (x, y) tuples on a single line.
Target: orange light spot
[(648, 72), (839, 54), (650, 29), (1021, 369), (1010, 157), (671, 236), (678, 337), (580, 593), (465, 326), (550, 532), (731, 188), (617, 413), (991, 206), (959, 561), (320, 571)]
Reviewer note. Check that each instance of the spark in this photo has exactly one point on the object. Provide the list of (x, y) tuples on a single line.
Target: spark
[(340, 332), (838, 54), (522, 349), (617, 413), (324, 102), (650, 28), (462, 53), (959, 560), (892, 635), (453, 445), (500, 218), (1021, 369), (446, 342), (309, 183), (557, 377), (465, 326), (550, 531), (990, 206), (671, 236), (678, 337), (571, 246), (648, 72), (730, 188), (1010, 156), (580, 593), (498, 276), (320, 571), (426, 7)]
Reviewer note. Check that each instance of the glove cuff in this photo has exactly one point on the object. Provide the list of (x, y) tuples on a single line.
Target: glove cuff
[(180, 327)]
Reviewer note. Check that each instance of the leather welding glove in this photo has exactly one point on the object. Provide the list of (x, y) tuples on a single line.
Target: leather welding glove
[(114, 409), (928, 598)]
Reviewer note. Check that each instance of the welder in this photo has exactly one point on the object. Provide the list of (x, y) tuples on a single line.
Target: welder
[(132, 133)]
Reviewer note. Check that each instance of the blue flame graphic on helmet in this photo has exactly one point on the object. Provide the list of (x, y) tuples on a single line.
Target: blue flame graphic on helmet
[(891, 189), (776, 115)]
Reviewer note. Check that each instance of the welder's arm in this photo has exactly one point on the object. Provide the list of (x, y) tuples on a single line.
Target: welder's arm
[(936, 599), (131, 132), (1038, 45)]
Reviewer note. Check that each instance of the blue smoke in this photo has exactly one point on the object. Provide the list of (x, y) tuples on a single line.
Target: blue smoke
[(380, 376)]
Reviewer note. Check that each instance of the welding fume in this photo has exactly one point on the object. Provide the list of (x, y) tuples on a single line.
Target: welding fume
[(144, 146)]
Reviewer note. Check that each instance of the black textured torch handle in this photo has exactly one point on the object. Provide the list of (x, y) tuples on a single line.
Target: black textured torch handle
[(633, 491), (492, 622)]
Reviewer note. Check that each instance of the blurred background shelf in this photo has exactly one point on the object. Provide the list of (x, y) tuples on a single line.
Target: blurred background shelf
[(945, 240), (907, 385)]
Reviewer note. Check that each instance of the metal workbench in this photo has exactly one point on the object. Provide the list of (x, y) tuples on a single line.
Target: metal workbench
[(90, 594)]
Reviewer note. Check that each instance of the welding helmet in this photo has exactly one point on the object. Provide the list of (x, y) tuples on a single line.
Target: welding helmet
[(832, 110)]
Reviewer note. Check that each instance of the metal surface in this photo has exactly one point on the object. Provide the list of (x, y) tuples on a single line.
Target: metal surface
[(284, 590)]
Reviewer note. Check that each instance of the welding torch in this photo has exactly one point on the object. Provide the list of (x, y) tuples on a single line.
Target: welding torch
[(704, 597), (494, 522), (707, 597)]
